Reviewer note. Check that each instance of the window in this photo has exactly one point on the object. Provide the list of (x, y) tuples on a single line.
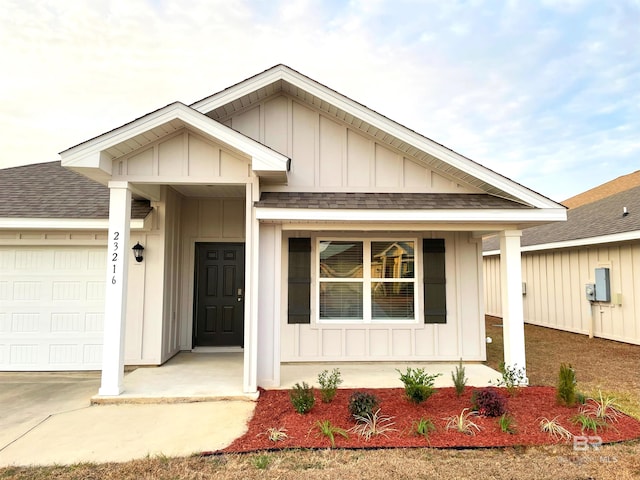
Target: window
[(366, 280)]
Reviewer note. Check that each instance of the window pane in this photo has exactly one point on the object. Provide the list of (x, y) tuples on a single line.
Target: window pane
[(340, 259), (391, 300), (341, 300), (392, 260)]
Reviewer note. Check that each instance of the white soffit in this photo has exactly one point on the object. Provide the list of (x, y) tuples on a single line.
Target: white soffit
[(98, 152), (63, 224), (283, 79)]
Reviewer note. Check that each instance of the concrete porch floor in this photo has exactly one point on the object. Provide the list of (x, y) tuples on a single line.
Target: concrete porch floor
[(198, 377)]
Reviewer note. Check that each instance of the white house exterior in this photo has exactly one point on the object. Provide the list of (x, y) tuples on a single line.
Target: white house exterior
[(558, 261), (284, 220)]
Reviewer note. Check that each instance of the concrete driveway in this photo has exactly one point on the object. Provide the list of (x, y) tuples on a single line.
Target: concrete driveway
[(46, 418)]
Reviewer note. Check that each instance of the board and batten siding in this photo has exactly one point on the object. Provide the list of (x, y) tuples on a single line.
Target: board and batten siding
[(462, 335), (555, 290), (328, 155)]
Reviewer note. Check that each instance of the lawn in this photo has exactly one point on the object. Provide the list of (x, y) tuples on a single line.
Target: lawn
[(600, 365)]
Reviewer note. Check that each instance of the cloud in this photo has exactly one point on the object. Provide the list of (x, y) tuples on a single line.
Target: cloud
[(534, 91)]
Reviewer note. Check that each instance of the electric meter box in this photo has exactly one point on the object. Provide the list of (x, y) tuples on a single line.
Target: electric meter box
[(603, 286), (590, 292)]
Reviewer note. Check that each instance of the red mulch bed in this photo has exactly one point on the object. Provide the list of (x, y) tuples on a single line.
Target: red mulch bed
[(274, 410)]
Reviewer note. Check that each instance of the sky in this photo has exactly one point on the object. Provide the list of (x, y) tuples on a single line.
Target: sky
[(544, 92)]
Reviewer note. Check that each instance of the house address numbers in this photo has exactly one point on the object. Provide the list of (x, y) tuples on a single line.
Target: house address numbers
[(115, 245)]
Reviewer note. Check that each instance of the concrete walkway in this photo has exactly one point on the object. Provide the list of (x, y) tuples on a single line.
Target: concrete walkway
[(47, 419)]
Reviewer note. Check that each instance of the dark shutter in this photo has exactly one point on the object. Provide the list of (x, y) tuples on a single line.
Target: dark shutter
[(299, 301), (435, 289)]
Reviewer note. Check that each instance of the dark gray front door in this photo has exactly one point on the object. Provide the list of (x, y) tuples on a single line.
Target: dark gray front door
[(219, 295)]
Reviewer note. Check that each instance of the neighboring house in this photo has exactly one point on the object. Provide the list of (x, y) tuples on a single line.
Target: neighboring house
[(602, 231), (278, 218)]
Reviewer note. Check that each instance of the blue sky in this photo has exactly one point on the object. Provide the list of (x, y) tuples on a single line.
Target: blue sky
[(546, 92)]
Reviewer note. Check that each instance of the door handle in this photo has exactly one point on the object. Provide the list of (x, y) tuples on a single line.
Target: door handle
[(239, 294)]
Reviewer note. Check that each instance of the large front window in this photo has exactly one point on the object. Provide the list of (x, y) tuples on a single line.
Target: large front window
[(366, 280)]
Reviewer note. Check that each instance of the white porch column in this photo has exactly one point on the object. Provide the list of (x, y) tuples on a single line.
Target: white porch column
[(118, 253), (512, 308), (252, 244)]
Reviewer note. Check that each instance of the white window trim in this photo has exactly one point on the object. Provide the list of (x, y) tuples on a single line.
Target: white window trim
[(366, 282)]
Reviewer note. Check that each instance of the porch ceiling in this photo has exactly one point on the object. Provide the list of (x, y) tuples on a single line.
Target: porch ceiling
[(211, 191)]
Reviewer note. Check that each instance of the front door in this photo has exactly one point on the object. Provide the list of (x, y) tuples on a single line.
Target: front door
[(219, 295)]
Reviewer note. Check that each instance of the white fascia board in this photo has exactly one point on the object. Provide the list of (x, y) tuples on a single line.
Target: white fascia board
[(379, 121), (90, 154), (388, 215), (62, 224), (581, 242)]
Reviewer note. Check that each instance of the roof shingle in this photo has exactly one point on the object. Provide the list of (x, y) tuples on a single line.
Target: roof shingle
[(358, 200), (47, 190)]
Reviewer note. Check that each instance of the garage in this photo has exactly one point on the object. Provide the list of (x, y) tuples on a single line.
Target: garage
[(51, 307)]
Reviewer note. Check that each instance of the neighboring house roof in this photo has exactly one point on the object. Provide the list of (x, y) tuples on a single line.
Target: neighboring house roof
[(401, 201), (602, 221), (617, 185), (47, 190)]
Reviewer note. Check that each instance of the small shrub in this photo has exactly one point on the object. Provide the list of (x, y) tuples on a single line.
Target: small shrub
[(302, 397), (588, 422), (506, 423), (418, 385), (553, 428), (512, 378), (372, 425), (329, 384), (423, 427), (362, 404), (566, 392), (459, 379), (463, 423), (489, 402), (330, 431), (581, 398)]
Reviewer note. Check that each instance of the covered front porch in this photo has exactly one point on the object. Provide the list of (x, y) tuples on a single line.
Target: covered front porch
[(199, 377)]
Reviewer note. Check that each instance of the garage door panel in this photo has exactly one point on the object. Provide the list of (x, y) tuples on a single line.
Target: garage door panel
[(52, 308)]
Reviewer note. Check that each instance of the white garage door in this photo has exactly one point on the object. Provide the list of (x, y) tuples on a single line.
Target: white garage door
[(51, 308)]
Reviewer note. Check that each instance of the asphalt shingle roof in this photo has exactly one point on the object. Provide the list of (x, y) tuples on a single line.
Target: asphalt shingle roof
[(47, 190), (348, 200), (602, 217)]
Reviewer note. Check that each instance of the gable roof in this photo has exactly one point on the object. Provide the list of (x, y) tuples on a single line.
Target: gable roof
[(47, 190), (94, 157), (601, 221), (617, 185), (282, 79)]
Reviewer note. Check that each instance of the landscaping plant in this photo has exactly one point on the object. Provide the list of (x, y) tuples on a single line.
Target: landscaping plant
[(506, 423), (489, 402), (302, 397), (459, 379), (418, 385), (603, 408), (330, 431), (329, 384), (276, 434), (588, 423), (362, 404), (463, 423), (424, 427), (566, 393), (512, 378), (553, 428), (372, 425)]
